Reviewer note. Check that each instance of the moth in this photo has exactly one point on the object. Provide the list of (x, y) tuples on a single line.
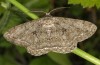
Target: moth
[(56, 34)]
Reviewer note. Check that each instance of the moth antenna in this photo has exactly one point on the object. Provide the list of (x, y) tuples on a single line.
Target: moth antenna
[(39, 12), (56, 9)]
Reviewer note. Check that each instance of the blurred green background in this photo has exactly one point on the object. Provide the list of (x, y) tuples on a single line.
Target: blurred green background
[(11, 16)]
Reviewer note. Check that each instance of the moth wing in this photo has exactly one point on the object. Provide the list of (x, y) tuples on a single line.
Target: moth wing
[(37, 52), (83, 29), (75, 31), (22, 34)]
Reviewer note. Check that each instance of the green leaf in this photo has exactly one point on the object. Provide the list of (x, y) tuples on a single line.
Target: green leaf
[(98, 3), (86, 3), (74, 1)]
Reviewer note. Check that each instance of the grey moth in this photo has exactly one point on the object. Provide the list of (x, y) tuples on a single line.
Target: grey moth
[(56, 34)]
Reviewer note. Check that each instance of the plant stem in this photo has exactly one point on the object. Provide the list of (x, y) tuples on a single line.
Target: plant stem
[(76, 51), (87, 56), (22, 8)]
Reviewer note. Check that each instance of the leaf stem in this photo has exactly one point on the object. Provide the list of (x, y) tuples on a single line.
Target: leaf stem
[(22, 8), (86, 56)]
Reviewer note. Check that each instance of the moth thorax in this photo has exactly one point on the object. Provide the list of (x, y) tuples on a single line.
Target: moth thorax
[(49, 27), (48, 24)]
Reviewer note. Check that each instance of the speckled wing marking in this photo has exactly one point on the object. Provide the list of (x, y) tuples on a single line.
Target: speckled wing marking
[(47, 34)]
